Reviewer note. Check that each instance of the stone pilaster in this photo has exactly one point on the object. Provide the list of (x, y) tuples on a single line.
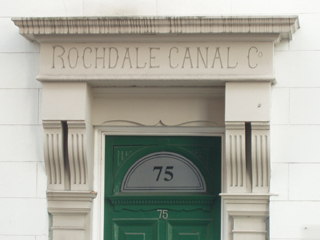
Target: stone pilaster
[(70, 214)]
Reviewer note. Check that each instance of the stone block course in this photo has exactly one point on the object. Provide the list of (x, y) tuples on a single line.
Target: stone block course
[(41, 180), (20, 179), (11, 41), (25, 75), (280, 105), (23, 216), (294, 220), (275, 7), (32, 8), (304, 182), (297, 68), (307, 38), (17, 237), (295, 143), (304, 106), (21, 143), (190, 7), (279, 181), (120, 8), (19, 106)]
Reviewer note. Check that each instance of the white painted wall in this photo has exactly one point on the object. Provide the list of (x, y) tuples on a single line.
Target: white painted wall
[(295, 119), (295, 111)]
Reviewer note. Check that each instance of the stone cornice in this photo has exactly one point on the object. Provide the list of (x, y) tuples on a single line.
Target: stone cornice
[(40, 28)]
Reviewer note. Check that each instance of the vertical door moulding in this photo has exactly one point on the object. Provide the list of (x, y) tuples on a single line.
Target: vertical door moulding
[(236, 157), (260, 157), (54, 154)]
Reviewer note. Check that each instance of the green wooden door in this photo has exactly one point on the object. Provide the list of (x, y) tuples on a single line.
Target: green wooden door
[(162, 188)]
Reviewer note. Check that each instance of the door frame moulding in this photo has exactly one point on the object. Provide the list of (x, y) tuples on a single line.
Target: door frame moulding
[(100, 134)]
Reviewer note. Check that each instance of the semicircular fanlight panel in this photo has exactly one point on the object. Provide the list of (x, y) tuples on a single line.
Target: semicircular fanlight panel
[(163, 172)]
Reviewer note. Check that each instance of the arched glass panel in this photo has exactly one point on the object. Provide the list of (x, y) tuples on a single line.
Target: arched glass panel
[(163, 172)]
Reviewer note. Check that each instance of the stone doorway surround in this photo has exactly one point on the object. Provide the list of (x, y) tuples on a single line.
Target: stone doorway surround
[(89, 62)]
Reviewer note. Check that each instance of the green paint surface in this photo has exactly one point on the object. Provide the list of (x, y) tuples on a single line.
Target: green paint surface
[(162, 215)]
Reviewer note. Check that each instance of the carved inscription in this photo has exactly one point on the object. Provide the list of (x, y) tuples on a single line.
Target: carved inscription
[(253, 50), (217, 61), (112, 57)]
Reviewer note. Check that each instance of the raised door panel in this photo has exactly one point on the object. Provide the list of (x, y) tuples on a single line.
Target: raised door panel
[(191, 229), (135, 229)]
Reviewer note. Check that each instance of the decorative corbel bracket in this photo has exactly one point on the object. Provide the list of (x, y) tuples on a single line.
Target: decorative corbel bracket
[(236, 157), (248, 157), (77, 154), (65, 149), (54, 154), (260, 156)]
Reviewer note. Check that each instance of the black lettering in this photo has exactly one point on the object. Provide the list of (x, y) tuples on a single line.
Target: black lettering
[(168, 173), (158, 168)]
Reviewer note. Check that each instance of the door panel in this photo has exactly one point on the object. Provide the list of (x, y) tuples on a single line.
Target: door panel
[(162, 214), (192, 229), (135, 229)]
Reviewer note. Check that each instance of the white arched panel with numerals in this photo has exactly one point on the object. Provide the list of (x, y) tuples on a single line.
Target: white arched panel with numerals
[(163, 172)]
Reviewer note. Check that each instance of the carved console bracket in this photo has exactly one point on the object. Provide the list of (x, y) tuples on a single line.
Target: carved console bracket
[(77, 154), (236, 157), (248, 157), (65, 148), (260, 156), (54, 154)]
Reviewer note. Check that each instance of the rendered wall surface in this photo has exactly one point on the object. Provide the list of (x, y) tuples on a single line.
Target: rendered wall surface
[(294, 133), (295, 111)]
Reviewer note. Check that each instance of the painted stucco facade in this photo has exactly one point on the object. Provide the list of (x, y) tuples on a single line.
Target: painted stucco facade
[(294, 116)]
